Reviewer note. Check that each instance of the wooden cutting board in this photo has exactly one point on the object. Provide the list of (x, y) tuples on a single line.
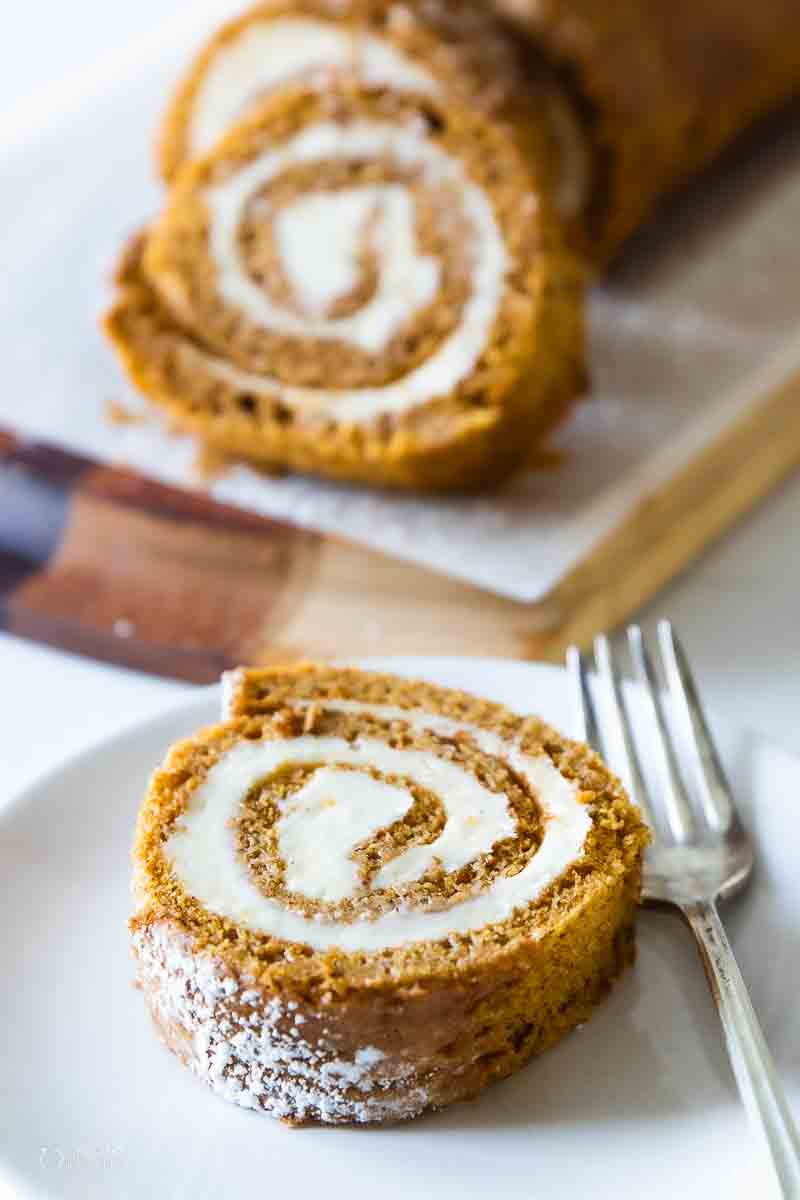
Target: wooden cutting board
[(104, 562)]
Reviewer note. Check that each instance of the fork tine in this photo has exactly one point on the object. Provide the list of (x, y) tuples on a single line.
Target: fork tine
[(583, 702), (610, 677), (715, 792), (676, 801)]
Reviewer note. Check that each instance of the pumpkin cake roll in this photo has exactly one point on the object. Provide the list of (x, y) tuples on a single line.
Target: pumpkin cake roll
[(619, 103), (432, 48), (360, 897), (362, 283), (663, 88)]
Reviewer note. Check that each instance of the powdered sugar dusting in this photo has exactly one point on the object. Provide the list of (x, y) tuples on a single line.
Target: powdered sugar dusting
[(249, 1048), (230, 682)]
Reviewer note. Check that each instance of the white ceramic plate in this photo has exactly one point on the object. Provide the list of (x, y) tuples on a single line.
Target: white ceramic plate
[(640, 1102)]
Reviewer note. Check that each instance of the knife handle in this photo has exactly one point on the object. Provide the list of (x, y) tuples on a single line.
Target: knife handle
[(104, 562)]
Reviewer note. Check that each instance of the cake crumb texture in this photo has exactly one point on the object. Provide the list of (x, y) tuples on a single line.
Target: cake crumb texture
[(359, 1035)]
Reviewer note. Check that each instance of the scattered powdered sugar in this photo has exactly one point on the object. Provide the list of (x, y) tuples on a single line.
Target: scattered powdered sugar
[(250, 1051), (229, 684)]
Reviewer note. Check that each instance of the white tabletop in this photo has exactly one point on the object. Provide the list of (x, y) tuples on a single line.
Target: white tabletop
[(738, 608)]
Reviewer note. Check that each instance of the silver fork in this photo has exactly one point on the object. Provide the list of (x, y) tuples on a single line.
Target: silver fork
[(700, 854)]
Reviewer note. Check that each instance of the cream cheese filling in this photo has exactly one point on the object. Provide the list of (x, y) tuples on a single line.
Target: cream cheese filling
[(407, 282), (269, 54), (320, 826)]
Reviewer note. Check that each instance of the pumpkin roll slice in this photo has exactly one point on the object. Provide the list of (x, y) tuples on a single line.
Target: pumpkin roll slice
[(361, 897), (361, 284), (445, 48), (618, 103)]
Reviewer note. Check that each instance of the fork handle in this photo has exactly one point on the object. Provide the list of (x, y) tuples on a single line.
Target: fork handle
[(751, 1060)]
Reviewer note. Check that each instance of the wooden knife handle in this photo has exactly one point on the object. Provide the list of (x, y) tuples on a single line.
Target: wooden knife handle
[(104, 562)]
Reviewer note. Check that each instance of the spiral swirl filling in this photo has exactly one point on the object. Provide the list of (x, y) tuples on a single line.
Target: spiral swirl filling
[(358, 252), (376, 831)]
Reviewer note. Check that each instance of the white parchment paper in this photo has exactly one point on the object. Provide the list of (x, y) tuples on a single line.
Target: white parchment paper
[(698, 320)]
